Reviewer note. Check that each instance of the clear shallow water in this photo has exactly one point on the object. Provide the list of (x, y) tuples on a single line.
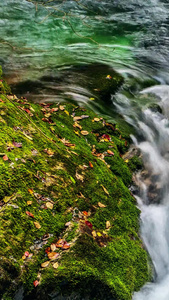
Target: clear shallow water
[(132, 37)]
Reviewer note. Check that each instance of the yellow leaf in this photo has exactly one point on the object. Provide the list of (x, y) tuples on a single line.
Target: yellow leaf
[(37, 225), (92, 99), (126, 161), (94, 233), (49, 205), (29, 202), (67, 112), (77, 125), (77, 132), (45, 264), (99, 234)]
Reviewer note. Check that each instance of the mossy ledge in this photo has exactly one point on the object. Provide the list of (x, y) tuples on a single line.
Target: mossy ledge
[(65, 178)]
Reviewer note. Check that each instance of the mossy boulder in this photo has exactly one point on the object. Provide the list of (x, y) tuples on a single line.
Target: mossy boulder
[(65, 202)]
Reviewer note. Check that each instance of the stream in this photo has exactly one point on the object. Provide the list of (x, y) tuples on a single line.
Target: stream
[(41, 43)]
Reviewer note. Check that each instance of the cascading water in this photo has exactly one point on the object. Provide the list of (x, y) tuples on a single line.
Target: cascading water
[(133, 38)]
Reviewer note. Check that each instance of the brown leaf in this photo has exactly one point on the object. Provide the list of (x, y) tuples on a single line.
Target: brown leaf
[(101, 205), (49, 152), (45, 264)]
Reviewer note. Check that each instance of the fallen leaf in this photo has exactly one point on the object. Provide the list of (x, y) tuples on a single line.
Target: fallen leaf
[(85, 213), (49, 152), (55, 265), (37, 225), (53, 247), (49, 205), (70, 145), (66, 112), (53, 255), (90, 164), (94, 234), (30, 191), (79, 177), (54, 109), (92, 99), (5, 157), (26, 253), (47, 250), (29, 214), (89, 224), (77, 125), (96, 120), (126, 161), (47, 115), (65, 246), (36, 283), (104, 189), (84, 132), (60, 243), (61, 107), (101, 205), (108, 224), (29, 202), (77, 132), (99, 234), (45, 264), (110, 152), (108, 77), (106, 137)]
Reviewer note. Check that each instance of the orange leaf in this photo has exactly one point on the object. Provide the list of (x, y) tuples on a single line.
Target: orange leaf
[(29, 214), (90, 164), (110, 152), (30, 191), (5, 157), (85, 213), (53, 255)]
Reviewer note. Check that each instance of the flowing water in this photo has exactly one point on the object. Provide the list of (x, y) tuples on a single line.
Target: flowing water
[(40, 42)]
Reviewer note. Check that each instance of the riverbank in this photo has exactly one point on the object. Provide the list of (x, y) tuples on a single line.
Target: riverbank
[(69, 223)]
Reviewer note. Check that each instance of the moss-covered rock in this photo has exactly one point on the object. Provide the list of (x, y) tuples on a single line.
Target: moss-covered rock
[(64, 198)]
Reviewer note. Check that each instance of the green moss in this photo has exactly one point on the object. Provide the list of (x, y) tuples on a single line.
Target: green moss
[(55, 163)]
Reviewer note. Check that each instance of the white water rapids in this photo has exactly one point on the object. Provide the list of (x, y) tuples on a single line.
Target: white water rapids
[(154, 146)]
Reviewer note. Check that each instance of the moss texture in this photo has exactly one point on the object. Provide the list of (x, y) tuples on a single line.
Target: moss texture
[(64, 178)]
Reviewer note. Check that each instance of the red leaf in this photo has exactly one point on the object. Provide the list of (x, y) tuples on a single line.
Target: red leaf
[(125, 143), (47, 250), (89, 224), (26, 253), (35, 283), (106, 136), (29, 214), (85, 213), (5, 157)]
